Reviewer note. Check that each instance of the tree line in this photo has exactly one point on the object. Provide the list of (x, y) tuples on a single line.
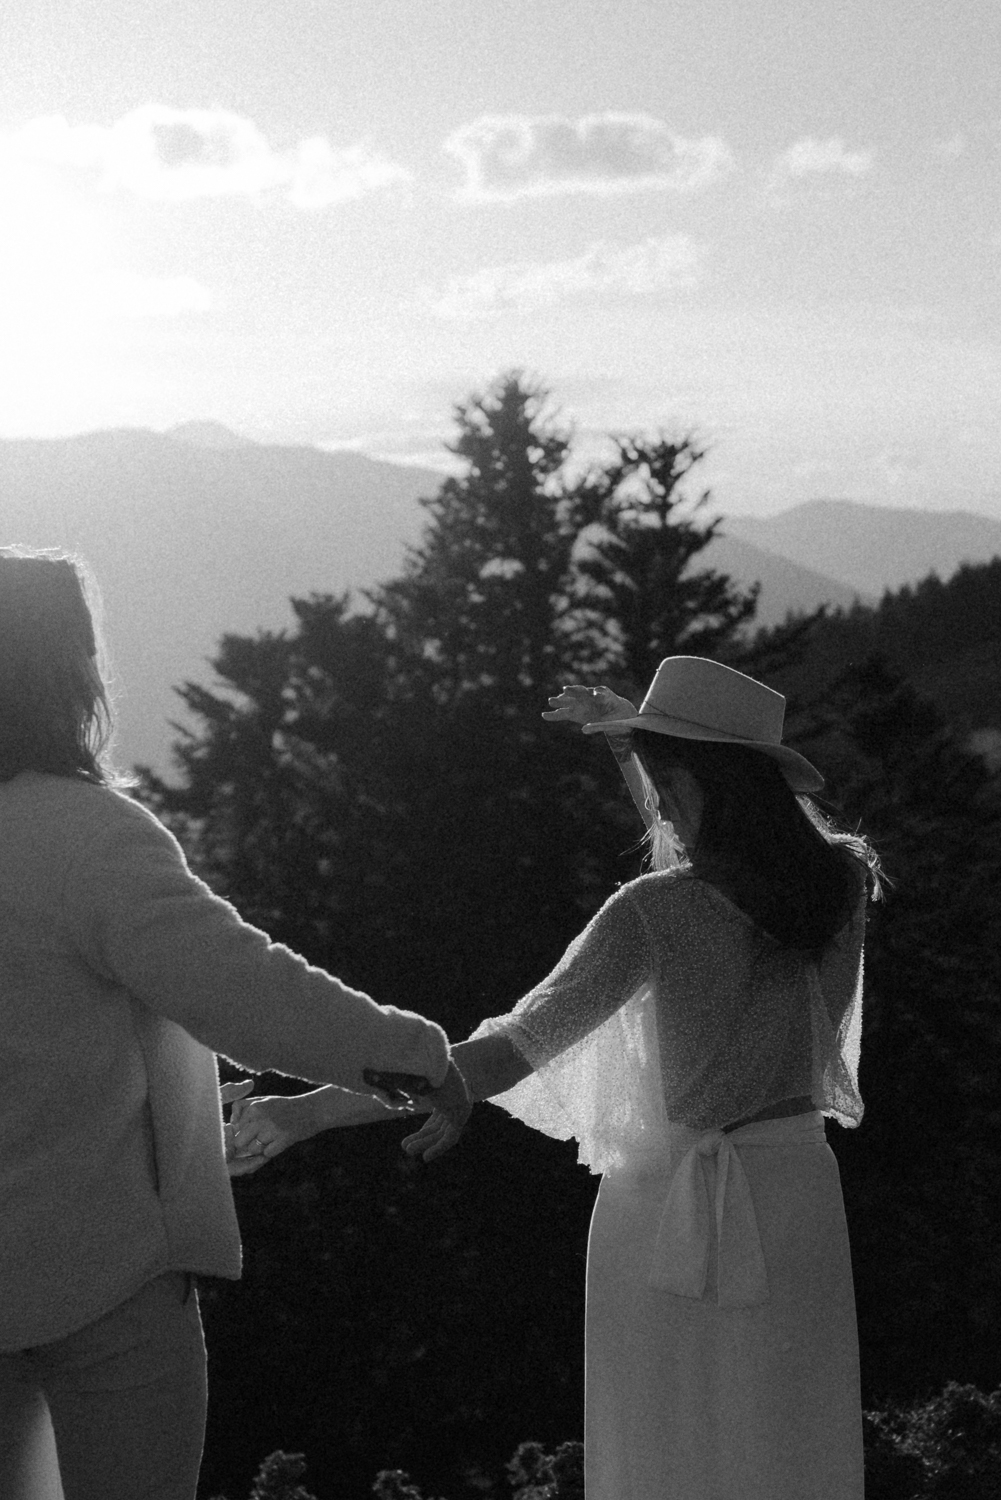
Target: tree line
[(376, 788)]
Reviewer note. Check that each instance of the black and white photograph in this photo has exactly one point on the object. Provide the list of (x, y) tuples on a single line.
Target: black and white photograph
[(500, 750)]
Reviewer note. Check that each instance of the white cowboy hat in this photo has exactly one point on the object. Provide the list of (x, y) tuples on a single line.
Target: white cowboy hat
[(698, 699)]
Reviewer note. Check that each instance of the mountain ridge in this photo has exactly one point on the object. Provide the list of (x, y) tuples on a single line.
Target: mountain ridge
[(192, 540), (208, 434), (872, 547)]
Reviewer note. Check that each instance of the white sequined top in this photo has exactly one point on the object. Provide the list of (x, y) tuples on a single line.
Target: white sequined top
[(672, 1006)]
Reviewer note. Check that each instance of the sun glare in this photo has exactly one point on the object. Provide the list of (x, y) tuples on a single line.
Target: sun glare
[(65, 298), (51, 247), (52, 254)]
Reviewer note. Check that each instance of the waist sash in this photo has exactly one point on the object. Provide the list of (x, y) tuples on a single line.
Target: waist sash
[(681, 1256)]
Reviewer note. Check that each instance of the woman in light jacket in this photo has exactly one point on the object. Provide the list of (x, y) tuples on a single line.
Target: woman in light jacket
[(121, 975)]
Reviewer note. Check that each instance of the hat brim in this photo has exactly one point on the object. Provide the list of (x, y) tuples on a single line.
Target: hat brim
[(797, 770)]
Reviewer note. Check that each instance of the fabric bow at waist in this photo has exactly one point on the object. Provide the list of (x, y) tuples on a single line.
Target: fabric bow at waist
[(681, 1254)]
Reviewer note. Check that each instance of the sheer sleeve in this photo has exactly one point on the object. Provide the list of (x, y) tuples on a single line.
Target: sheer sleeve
[(598, 972), (588, 1032)]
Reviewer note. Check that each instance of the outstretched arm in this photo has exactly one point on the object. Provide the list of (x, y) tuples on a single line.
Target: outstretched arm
[(261, 1128), (589, 706), (138, 917)]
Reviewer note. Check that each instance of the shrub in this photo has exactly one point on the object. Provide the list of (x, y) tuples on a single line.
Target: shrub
[(945, 1448), (532, 1473), (277, 1479)]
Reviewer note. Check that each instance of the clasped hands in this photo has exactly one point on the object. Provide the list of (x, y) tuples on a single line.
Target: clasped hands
[(259, 1129), (448, 1107)]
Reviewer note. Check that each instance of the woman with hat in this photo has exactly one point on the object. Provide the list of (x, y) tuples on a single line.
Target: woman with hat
[(692, 1039)]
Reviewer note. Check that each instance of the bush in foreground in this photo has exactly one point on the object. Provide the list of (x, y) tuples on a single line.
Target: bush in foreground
[(945, 1448), (533, 1474)]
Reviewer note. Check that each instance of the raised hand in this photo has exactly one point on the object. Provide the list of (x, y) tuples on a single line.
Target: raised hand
[(590, 708), (587, 705), (450, 1106)]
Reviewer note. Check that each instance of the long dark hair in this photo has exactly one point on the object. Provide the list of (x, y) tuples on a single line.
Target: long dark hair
[(54, 709), (783, 862)]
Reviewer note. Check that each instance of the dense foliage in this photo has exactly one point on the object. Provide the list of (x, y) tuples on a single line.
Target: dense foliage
[(945, 1448), (921, 1175), (532, 1474), (377, 789), (944, 637)]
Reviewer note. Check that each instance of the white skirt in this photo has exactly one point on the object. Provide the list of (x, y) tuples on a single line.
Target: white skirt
[(755, 1399)]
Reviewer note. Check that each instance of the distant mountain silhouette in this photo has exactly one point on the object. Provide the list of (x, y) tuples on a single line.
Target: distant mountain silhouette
[(786, 587), (199, 532), (208, 435), (943, 637), (189, 542), (872, 547)]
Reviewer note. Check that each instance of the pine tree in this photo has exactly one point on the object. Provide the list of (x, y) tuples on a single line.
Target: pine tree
[(921, 1174), (477, 607), (640, 596)]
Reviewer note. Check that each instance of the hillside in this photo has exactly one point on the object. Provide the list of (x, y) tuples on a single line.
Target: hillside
[(945, 637), (869, 548), (189, 541), (208, 435), (198, 532), (786, 587)]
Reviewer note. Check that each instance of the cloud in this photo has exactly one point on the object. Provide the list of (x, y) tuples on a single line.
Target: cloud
[(157, 152), (514, 156), (322, 176), (808, 156), (163, 153), (654, 265)]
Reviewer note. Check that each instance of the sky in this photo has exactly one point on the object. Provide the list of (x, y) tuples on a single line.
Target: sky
[(774, 225)]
